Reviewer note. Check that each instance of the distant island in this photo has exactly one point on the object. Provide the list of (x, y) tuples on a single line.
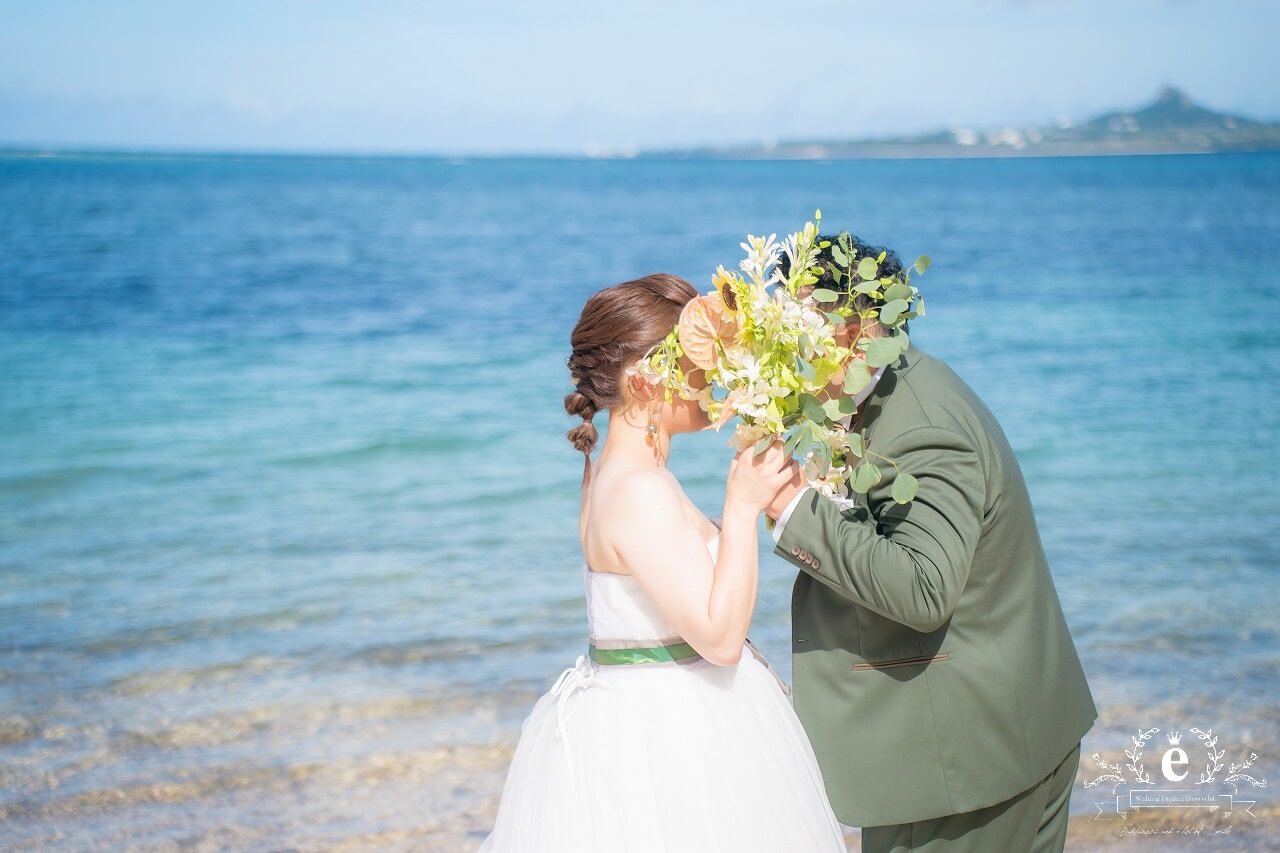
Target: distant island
[(1172, 124)]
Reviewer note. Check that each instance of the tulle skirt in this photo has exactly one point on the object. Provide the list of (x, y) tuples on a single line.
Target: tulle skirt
[(664, 757)]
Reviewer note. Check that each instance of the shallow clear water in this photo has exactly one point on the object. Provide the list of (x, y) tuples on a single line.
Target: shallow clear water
[(288, 520)]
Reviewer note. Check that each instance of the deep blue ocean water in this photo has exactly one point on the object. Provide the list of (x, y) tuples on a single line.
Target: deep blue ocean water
[(288, 520)]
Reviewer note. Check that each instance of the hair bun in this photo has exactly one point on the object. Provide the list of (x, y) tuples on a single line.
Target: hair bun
[(583, 437), (579, 405)]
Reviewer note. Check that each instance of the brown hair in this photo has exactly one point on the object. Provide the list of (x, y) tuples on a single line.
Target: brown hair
[(618, 325)]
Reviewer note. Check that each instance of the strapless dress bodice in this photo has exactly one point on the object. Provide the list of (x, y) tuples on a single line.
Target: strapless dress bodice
[(618, 609)]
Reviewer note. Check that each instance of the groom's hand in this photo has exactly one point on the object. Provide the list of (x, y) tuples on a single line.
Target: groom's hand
[(787, 492)]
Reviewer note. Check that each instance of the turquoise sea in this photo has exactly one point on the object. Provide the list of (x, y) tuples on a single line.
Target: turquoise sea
[(288, 519)]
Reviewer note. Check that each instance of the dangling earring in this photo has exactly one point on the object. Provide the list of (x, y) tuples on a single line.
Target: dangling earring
[(651, 429)]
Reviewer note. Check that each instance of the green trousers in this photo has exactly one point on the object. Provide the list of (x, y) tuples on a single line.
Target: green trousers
[(1034, 821)]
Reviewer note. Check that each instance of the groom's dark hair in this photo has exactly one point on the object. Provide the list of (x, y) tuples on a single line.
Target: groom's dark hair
[(891, 265)]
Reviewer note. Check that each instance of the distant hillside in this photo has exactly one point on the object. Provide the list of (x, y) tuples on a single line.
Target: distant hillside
[(1172, 124)]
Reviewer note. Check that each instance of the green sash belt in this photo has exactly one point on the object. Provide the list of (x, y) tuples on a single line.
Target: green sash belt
[(652, 654)]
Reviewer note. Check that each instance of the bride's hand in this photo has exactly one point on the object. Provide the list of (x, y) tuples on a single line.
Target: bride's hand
[(755, 479)]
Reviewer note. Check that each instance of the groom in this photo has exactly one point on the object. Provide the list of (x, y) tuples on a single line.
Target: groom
[(932, 666)]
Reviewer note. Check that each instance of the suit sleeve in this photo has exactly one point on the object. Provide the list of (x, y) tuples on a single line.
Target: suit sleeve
[(907, 562)]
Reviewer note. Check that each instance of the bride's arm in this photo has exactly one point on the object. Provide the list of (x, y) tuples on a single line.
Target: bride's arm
[(710, 605)]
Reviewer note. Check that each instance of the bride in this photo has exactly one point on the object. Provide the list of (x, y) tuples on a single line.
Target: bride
[(671, 733)]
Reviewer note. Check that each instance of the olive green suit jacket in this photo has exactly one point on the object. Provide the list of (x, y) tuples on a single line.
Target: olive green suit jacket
[(931, 664)]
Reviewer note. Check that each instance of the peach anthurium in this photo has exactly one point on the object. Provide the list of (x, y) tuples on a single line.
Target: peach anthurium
[(702, 324)]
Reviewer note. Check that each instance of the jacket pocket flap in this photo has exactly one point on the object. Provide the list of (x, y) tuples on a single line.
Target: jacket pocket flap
[(919, 660)]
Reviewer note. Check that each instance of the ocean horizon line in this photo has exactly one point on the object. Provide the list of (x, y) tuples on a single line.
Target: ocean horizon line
[(24, 152)]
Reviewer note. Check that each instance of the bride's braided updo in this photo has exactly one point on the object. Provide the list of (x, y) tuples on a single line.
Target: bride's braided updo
[(618, 325)]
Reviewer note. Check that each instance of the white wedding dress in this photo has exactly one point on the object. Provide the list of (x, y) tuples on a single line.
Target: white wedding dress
[(643, 746)]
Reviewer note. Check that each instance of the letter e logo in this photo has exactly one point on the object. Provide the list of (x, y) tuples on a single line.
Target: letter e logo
[(1172, 757)]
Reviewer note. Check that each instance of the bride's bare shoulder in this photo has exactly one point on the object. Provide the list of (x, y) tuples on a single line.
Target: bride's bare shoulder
[(629, 489), (620, 504)]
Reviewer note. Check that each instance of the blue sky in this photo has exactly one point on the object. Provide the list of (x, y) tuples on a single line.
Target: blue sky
[(544, 76)]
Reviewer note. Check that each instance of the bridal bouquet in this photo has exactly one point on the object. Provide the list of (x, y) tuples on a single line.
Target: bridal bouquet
[(766, 341)]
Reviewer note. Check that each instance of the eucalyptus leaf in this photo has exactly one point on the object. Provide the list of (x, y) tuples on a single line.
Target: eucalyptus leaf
[(840, 257), (904, 487), (805, 369), (889, 313), (865, 476), (823, 454), (922, 263), (792, 440), (804, 434), (762, 445), (867, 269), (899, 291), (839, 407), (812, 407), (882, 351), (856, 376), (856, 445), (823, 294)]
